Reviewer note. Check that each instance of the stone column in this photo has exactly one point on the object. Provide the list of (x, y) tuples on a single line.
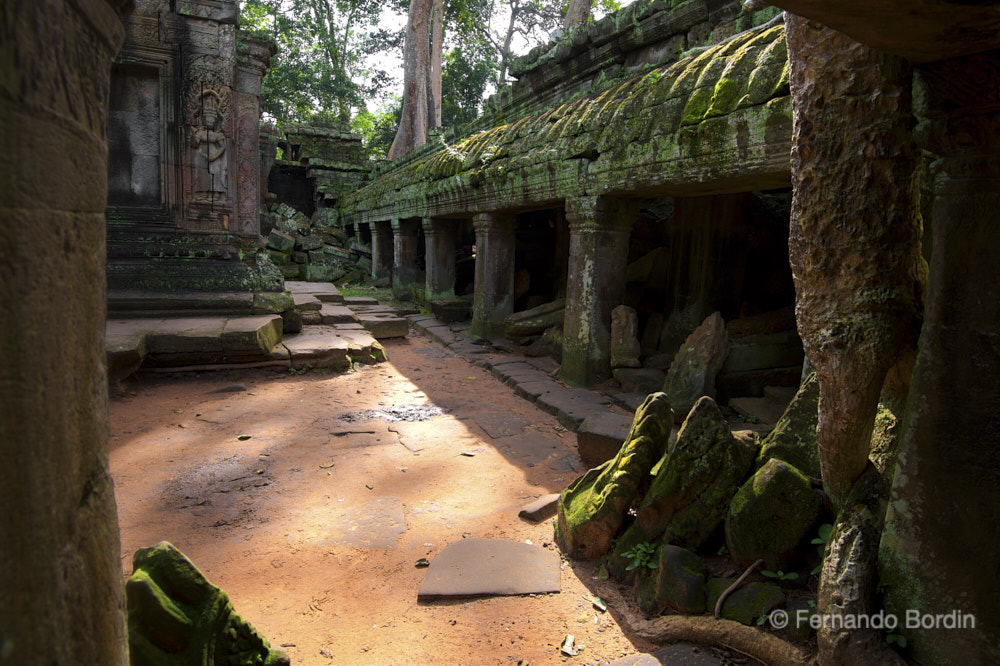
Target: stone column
[(494, 294), (61, 596), (439, 253), (404, 258), (250, 68), (939, 549), (382, 249), (599, 230)]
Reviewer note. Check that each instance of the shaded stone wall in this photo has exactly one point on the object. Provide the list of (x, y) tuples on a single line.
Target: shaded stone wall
[(60, 579)]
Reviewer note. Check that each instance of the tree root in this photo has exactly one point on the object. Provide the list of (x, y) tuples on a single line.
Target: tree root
[(729, 590), (753, 642)]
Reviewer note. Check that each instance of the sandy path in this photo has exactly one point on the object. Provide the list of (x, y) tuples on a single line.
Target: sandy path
[(313, 524)]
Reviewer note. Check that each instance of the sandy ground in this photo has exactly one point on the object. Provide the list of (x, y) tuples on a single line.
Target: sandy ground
[(313, 523)]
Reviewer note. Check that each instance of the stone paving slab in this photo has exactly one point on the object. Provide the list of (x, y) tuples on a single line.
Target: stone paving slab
[(534, 390), (541, 509), (337, 314), (765, 410), (378, 524), (601, 436), (324, 291), (251, 334), (572, 406), (384, 326), (499, 425), (306, 302), (318, 347), (360, 300), (530, 448), (481, 567)]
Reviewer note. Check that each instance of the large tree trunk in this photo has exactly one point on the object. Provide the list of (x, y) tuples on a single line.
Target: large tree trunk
[(421, 79), (578, 12)]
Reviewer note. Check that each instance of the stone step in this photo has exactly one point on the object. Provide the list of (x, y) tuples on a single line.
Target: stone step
[(324, 291), (763, 411), (181, 341), (337, 314), (384, 326), (318, 347)]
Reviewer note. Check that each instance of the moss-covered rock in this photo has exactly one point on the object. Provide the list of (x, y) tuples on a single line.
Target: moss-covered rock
[(771, 514), (747, 603), (688, 498), (592, 508), (793, 439), (176, 617), (680, 580)]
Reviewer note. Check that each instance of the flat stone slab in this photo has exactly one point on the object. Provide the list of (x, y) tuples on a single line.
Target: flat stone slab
[(360, 300), (251, 335), (481, 567), (384, 326), (324, 291), (306, 302), (764, 410), (318, 347), (124, 350), (571, 406), (541, 509), (499, 425), (534, 390), (530, 448), (337, 314), (601, 436), (378, 524), (441, 334)]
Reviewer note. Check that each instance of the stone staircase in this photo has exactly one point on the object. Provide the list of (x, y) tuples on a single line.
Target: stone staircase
[(336, 332)]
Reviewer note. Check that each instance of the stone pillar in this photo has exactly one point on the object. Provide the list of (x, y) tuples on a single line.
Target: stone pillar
[(250, 68), (599, 230), (439, 253), (382, 249), (494, 295), (404, 257), (939, 549), (61, 596)]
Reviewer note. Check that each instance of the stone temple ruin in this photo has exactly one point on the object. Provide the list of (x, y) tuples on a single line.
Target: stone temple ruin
[(679, 158)]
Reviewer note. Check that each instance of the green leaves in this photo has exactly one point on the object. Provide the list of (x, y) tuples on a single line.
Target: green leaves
[(640, 556)]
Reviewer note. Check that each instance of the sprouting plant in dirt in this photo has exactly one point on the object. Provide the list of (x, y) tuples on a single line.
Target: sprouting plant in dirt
[(820, 542), (640, 556), (780, 575)]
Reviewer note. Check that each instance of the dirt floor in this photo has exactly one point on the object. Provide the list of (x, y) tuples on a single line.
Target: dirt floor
[(309, 506)]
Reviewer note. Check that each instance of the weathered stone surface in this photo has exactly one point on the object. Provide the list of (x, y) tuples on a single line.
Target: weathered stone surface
[(124, 351), (318, 347), (534, 321), (857, 317), (541, 509), (337, 314), (688, 498), (625, 348), (272, 302), (748, 603), (640, 380), (771, 514), (306, 302), (592, 508), (307, 243), (680, 580), (451, 309), (499, 424), (793, 439), (384, 326), (758, 352), (280, 241), (242, 335), (478, 567), (692, 373), (176, 616), (601, 436)]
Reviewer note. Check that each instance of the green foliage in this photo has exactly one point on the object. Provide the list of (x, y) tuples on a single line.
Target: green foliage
[(466, 71), (378, 128), (898, 639), (640, 556), (820, 541), (780, 575)]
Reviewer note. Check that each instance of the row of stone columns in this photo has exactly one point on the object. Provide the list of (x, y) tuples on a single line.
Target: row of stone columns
[(599, 229)]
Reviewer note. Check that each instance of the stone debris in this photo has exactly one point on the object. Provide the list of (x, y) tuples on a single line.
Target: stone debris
[(485, 567)]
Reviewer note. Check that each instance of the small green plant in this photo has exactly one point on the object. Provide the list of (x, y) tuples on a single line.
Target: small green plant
[(780, 575), (820, 542), (898, 639), (640, 556)]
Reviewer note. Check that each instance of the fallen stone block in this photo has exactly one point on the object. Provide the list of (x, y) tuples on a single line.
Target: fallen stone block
[(486, 567), (541, 509), (601, 435), (383, 327)]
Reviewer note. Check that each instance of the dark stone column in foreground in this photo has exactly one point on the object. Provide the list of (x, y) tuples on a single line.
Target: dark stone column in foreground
[(939, 551), (439, 253), (599, 230), (494, 297), (404, 258), (60, 575), (382, 249)]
